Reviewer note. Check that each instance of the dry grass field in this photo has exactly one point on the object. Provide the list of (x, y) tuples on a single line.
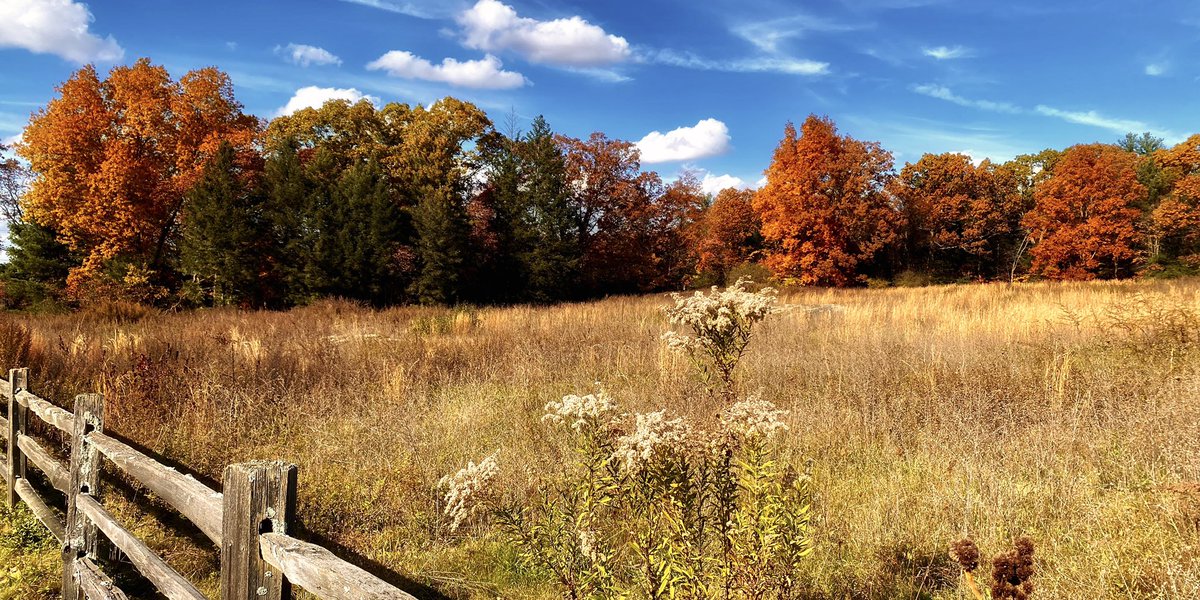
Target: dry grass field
[(1066, 412)]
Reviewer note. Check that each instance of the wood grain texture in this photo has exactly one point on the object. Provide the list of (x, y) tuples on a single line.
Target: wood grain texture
[(56, 472), (95, 584), (81, 538), (40, 510), (194, 500), (55, 416), (259, 497), (169, 582), (319, 572)]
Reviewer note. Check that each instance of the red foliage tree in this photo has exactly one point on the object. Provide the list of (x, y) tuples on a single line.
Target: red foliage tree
[(959, 215), (825, 212), (631, 225), (725, 234), (1084, 222)]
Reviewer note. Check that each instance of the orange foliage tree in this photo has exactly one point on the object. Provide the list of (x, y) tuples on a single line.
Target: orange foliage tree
[(725, 234), (825, 211), (1084, 222), (114, 159), (960, 216), (1176, 220)]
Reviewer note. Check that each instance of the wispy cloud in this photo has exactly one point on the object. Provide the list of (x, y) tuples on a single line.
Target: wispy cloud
[(411, 9), (1116, 125), (761, 64), (947, 52), (942, 92), (1156, 69), (767, 35)]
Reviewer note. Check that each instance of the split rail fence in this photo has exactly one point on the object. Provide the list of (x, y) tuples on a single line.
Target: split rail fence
[(248, 520)]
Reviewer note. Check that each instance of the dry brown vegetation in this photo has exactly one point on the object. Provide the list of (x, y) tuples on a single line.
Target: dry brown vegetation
[(1066, 412)]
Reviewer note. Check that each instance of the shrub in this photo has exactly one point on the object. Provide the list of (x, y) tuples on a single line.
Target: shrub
[(656, 507)]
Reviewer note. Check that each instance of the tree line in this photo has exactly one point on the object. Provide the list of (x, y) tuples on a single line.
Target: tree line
[(155, 190)]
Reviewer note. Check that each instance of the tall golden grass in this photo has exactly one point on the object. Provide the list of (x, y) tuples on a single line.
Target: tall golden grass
[(1066, 412)]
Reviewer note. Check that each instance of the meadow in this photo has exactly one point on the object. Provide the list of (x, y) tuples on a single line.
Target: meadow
[(1067, 412)]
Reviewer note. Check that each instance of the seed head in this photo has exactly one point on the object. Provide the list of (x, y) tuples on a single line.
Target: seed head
[(966, 554), (1012, 571)]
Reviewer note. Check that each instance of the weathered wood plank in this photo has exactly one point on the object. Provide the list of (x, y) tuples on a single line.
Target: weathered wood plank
[(84, 483), (320, 572), (40, 510), (55, 416), (17, 414), (154, 569), (55, 471), (194, 500), (259, 496), (95, 584)]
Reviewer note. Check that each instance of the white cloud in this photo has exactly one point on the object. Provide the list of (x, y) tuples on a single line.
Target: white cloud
[(946, 53), (481, 74), (706, 138), (58, 27), (493, 26), (1156, 69), (713, 184), (12, 140), (942, 92), (315, 97), (305, 55), (765, 64), (1116, 125)]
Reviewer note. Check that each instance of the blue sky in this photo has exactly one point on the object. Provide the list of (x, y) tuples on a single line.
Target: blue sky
[(705, 85)]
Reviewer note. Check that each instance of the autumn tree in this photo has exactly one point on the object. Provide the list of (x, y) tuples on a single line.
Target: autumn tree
[(1176, 219), (631, 225), (725, 235), (959, 216), (1085, 218), (825, 211), (114, 160)]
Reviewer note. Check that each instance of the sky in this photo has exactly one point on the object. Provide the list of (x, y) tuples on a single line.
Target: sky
[(706, 86)]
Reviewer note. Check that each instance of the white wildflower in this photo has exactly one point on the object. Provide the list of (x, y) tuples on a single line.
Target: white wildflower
[(464, 488), (652, 431), (587, 543), (580, 410), (753, 418)]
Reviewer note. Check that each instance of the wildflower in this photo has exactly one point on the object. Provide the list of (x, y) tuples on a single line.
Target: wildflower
[(754, 418), (587, 543), (720, 323), (1012, 571), (464, 489), (966, 554), (580, 410), (652, 432)]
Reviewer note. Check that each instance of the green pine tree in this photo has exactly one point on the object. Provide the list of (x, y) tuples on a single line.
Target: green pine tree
[(442, 232), (552, 255), (223, 235), (38, 264)]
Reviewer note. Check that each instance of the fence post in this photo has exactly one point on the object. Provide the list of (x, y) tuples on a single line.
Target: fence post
[(81, 536), (18, 380), (260, 497)]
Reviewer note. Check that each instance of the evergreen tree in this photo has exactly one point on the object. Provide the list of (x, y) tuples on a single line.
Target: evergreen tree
[(551, 257), (223, 233), (367, 235), (285, 191), (442, 232), (38, 264)]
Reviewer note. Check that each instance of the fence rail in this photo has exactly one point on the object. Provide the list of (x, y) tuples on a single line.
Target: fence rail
[(248, 521)]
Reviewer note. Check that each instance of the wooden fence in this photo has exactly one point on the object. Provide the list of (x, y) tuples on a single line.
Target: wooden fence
[(248, 520)]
